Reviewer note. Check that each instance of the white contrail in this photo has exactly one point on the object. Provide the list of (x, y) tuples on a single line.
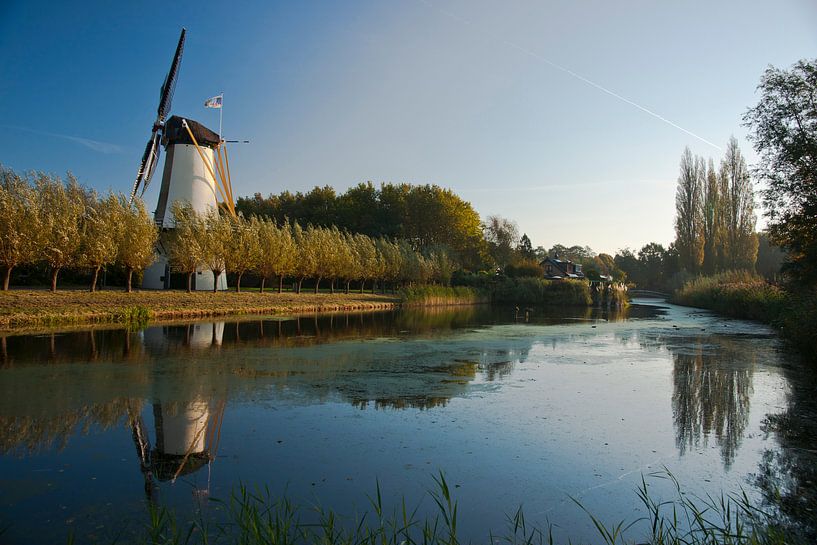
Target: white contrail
[(95, 145), (570, 72)]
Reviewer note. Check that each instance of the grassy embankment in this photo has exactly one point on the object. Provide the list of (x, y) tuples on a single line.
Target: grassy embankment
[(255, 517), (30, 308), (38, 308), (741, 294)]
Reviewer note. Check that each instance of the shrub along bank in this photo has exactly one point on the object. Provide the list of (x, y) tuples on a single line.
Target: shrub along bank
[(740, 294), (537, 291)]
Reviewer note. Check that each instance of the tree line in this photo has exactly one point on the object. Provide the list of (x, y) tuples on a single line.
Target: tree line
[(45, 220), (270, 249), (424, 216)]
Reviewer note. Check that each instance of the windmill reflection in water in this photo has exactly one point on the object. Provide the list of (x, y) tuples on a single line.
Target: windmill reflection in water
[(187, 433)]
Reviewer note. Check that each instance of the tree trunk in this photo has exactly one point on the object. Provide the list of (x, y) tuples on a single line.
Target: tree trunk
[(362, 285), (190, 281), (93, 281), (54, 272), (238, 282), (129, 275), (300, 282), (347, 287), (263, 281), (332, 286), (317, 284), (216, 274), (280, 283), (7, 278)]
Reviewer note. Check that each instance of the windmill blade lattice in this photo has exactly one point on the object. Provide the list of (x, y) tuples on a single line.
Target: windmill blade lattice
[(151, 156)]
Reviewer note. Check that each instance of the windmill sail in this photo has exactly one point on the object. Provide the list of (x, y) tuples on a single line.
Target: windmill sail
[(151, 156)]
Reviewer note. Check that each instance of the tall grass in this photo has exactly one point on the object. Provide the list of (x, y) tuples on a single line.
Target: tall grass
[(133, 316), (255, 517), (740, 294), (432, 295)]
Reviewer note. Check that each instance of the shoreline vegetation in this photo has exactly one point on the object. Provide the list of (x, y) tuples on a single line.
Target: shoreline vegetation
[(256, 516), (741, 294), (26, 308), (20, 309)]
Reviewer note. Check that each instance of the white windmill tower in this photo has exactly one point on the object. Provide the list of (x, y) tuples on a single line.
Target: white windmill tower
[(196, 171)]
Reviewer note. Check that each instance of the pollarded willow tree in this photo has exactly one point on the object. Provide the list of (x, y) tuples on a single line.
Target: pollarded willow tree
[(137, 236), (278, 252), (218, 235), (185, 242), (243, 250), (61, 211), (20, 230), (306, 261), (100, 236)]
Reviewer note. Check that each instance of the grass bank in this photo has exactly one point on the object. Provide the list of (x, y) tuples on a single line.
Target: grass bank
[(256, 517), (442, 295), (740, 294), (37, 308)]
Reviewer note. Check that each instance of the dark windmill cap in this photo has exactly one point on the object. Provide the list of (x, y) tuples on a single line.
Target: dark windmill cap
[(175, 133), (166, 466)]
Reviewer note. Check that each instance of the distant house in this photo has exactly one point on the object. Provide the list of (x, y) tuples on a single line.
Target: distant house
[(558, 269)]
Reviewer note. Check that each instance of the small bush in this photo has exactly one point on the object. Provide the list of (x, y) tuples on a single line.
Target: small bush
[(482, 280), (134, 317)]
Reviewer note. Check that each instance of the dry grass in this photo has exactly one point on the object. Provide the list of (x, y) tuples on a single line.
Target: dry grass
[(30, 308)]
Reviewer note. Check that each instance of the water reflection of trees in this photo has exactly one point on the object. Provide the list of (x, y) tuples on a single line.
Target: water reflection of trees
[(787, 475), (44, 401), (712, 384), (26, 434)]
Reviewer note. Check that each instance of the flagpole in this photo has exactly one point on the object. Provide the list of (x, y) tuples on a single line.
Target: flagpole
[(220, 113)]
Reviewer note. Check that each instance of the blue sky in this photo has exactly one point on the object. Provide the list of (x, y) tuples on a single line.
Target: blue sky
[(483, 97)]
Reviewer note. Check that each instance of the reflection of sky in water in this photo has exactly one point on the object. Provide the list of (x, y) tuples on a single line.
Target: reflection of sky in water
[(576, 404)]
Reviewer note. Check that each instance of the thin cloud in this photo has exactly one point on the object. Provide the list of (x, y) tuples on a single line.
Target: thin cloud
[(572, 74), (566, 186), (94, 145)]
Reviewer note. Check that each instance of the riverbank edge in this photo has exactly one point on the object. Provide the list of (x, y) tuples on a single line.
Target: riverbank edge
[(792, 313), (26, 309), (22, 311)]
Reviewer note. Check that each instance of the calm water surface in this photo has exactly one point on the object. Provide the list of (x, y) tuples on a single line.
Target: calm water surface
[(95, 425)]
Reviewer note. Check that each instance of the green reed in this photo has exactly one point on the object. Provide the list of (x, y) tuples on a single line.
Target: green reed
[(256, 517)]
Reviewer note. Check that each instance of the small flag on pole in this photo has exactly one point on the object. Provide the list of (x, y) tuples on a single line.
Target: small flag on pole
[(214, 102)]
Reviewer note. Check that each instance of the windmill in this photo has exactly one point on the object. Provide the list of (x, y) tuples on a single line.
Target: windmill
[(196, 171)]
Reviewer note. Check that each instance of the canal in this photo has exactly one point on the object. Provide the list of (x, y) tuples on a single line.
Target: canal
[(97, 425)]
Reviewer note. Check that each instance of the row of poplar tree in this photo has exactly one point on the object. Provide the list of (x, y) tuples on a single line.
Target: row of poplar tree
[(63, 225), (715, 218), (66, 226), (270, 249)]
